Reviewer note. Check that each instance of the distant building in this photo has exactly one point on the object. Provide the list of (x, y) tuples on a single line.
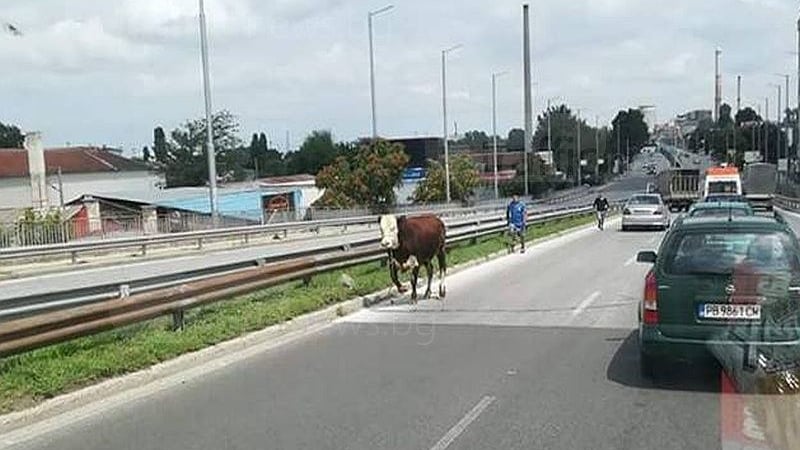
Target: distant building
[(83, 169), (420, 149), (689, 121)]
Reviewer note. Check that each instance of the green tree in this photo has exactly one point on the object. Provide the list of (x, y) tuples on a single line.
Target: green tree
[(629, 130), (318, 150), (183, 158), (11, 136), (161, 150), (747, 115), (146, 154), (463, 181), (366, 176), (475, 139), (516, 140)]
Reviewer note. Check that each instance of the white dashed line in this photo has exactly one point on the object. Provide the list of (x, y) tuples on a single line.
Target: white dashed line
[(462, 424), (586, 303)]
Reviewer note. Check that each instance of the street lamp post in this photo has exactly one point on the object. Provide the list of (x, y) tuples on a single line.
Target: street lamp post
[(444, 120), (210, 152), (495, 76), (596, 146), (370, 15), (578, 148)]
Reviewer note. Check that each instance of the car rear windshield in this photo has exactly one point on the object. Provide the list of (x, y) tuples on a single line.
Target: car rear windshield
[(644, 200), (722, 187), (719, 212), (724, 252)]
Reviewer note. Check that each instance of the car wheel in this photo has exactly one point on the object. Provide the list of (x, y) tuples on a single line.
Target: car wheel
[(647, 366)]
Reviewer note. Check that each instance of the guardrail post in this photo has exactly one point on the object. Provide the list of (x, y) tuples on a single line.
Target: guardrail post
[(200, 243), (246, 239), (124, 290), (178, 320), (74, 256), (144, 249), (306, 280)]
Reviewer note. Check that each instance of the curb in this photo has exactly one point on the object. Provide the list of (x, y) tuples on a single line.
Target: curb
[(219, 355)]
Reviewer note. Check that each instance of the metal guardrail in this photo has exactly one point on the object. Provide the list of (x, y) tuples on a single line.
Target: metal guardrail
[(143, 243), (786, 202), (47, 326)]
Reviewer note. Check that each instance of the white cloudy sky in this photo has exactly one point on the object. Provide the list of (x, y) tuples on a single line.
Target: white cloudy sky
[(106, 72)]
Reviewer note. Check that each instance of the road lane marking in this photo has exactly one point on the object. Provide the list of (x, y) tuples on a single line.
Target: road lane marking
[(630, 261), (462, 424), (585, 304)]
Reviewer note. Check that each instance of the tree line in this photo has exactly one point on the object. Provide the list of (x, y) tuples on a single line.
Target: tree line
[(729, 138), (367, 172)]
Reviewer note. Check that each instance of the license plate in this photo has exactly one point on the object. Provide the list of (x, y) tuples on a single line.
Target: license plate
[(729, 311)]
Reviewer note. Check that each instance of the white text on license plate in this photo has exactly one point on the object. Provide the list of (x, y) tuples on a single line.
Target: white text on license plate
[(729, 311)]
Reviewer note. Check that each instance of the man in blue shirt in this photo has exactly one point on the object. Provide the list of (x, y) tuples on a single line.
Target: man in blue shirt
[(517, 218)]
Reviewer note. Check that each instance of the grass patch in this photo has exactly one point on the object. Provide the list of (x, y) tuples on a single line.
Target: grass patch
[(34, 376)]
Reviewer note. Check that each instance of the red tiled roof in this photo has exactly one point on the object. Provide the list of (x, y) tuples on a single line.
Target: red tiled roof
[(14, 161)]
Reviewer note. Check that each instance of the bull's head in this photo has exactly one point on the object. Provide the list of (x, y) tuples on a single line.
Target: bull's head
[(390, 238)]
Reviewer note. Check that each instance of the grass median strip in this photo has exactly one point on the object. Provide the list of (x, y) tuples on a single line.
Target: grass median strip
[(30, 378)]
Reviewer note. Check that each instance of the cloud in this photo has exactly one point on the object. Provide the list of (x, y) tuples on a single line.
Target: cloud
[(298, 64)]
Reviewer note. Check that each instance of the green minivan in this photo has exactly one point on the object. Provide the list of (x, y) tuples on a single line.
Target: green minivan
[(719, 281)]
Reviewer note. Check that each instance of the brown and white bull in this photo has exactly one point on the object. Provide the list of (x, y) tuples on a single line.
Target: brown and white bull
[(413, 242)]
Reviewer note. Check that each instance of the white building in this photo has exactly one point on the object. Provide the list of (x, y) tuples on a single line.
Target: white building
[(83, 170)]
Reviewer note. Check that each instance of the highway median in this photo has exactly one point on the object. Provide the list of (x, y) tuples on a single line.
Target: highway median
[(29, 378)]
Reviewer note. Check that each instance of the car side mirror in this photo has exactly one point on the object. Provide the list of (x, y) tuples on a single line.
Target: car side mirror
[(646, 257)]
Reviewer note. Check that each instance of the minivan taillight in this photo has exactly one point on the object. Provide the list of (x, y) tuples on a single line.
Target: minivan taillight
[(650, 301)]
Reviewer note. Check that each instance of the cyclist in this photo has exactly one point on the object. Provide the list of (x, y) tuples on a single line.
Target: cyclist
[(517, 218), (601, 207)]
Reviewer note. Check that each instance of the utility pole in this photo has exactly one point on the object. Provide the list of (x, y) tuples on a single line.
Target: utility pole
[(549, 133), (596, 146), (797, 119), (717, 85), (494, 130), (738, 93), (619, 146), (210, 152), (628, 147), (444, 121), (370, 15), (578, 148), (526, 58), (766, 129)]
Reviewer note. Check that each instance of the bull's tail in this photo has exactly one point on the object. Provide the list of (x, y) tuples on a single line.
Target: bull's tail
[(441, 255)]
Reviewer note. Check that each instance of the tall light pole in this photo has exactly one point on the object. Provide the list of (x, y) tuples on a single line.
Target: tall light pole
[(370, 15), (210, 152), (717, 84), (526, 68), (578, 148), (495, 76), (444, 121), (766, 129), (596, 146), (784, 123)]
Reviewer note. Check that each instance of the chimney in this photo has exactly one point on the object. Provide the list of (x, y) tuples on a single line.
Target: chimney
[(36, 168)]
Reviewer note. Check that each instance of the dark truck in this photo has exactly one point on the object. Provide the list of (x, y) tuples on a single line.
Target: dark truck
[(759, 184), (679, 188)]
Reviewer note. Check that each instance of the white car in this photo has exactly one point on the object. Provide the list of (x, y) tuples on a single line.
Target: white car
[(645, 211)]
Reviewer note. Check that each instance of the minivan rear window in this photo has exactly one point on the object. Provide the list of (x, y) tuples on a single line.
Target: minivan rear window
[(644, 200), (723, 252)]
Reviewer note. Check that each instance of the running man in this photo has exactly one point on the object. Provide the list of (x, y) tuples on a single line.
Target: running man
[(517, 218)]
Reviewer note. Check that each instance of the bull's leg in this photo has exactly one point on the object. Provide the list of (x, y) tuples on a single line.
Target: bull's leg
[(393, 274), (414, 279), (442, 257), (429, 271)]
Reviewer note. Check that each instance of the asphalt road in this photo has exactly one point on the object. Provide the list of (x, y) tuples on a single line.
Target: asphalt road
[(127, 273), (531, 351)]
